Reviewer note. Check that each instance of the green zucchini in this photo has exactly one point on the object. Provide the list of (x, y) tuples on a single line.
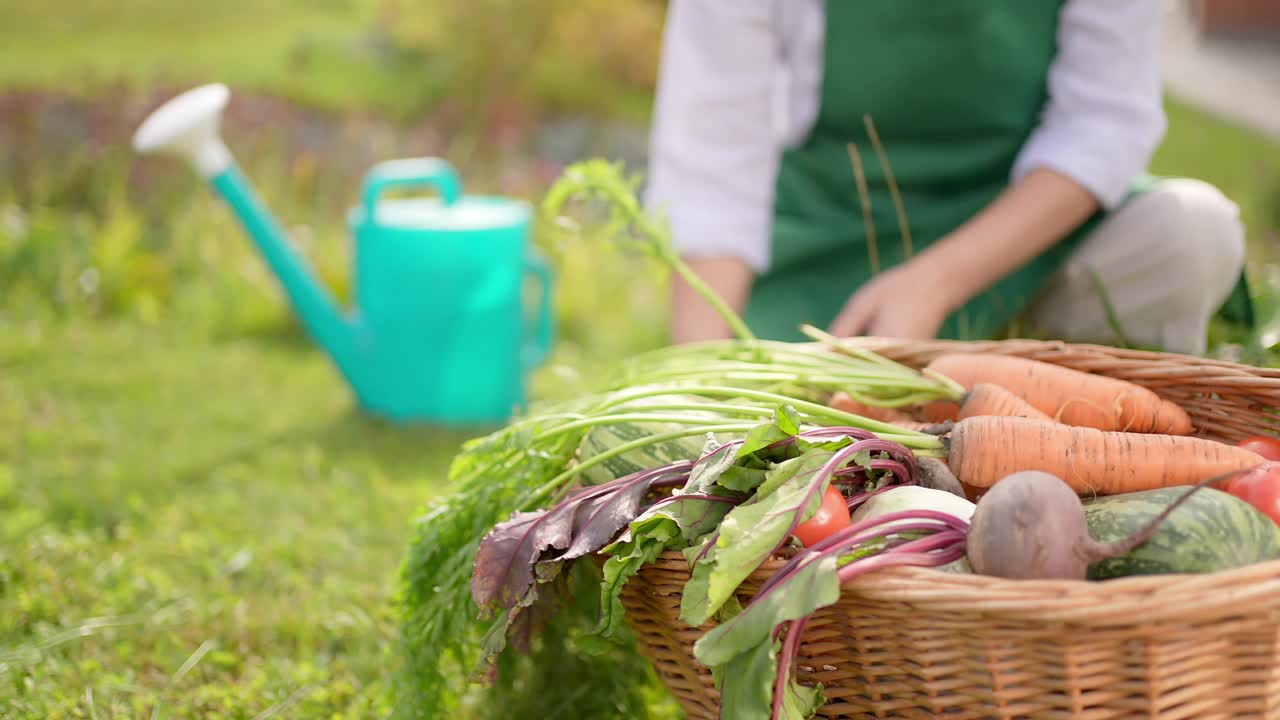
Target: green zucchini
[(1211, 531)]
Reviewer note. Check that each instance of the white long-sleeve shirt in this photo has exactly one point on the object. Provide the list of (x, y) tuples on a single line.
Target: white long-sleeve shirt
[(740, 81)]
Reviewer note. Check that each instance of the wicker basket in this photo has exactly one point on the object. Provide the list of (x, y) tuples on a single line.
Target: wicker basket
[(916, 643)]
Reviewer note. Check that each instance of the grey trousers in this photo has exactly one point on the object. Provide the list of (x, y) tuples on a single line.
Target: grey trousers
[(1167, 260)]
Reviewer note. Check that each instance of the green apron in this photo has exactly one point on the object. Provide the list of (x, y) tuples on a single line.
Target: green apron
[(954, 90)]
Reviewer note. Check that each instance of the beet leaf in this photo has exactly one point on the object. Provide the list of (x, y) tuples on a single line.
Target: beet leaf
[(519, 556), (785, 425), (812, 587), (746, 687), (672, 524), (752, 531)]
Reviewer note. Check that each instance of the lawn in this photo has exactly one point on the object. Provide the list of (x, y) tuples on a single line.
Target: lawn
[(195, 520), (195, 530)]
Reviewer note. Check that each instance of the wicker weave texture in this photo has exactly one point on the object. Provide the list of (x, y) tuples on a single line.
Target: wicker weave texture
[(920, 643)]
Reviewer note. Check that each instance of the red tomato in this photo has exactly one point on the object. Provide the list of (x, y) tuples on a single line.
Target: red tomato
[(1267, 447), (1260, 487), (832, 516)]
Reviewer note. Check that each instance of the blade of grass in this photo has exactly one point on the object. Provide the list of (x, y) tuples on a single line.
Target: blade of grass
[(88, 699), (860, 178), (192, 661), (903, 226), (185, 668), (1113, 319), (282, 705)]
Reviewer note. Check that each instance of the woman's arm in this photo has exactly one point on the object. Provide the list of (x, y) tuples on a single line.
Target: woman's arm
[(714, 150), (1025, 220), (1099, 129), (692, 318)]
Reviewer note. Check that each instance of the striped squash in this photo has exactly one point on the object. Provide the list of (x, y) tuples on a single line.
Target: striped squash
[(1209, 532)]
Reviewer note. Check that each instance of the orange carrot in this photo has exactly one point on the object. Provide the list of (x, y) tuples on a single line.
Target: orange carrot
[(981, 450), (842, 401), (938, 411), (990, 399), (1069, 396)]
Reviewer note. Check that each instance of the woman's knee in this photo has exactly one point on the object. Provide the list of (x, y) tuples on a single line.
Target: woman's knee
[(1200, 233)]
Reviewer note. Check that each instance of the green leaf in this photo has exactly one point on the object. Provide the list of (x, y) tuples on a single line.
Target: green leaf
[(753, 530), (695, 601), (617, 570), (788, 420), (705, 473), (729, 610), (761, 437), (800, 702), (813, 586), (741, 479), (746, 687), (746, 683), (676, 523)]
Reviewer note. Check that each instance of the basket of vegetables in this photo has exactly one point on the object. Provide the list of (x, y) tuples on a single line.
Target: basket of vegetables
[(876, 529), (1119, 611)]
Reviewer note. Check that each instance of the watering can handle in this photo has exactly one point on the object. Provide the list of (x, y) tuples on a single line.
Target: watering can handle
[(539, 346), (411, 172)]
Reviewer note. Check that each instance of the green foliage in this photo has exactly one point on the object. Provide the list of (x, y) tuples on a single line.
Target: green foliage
[(82, 242), (630, 223), (597, 56), (750, 532)]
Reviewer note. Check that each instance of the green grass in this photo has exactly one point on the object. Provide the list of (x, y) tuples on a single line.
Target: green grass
[(202, 529), (1238, 161)]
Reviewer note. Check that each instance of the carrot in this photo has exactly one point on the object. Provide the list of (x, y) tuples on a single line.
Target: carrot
[(939, 411), (1069, 396), (842, 401), (983, 449), (990, 399)]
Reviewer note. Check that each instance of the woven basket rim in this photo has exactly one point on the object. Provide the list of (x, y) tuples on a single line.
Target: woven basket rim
[(1119, 585), (878, 343), (1162, 597)]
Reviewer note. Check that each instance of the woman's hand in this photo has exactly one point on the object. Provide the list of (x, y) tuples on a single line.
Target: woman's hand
[(904, 302)]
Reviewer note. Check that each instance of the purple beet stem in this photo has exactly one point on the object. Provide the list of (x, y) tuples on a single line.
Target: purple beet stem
[(856, 534), (916, 552)]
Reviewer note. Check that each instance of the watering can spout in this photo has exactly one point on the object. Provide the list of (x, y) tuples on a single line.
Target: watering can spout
[(187, 127)]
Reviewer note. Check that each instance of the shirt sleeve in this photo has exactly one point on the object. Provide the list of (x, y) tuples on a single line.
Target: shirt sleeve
[(714, 150), (1105, 115)]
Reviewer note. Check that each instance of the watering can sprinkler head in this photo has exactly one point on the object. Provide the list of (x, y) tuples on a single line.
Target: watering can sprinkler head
[(187, 127)]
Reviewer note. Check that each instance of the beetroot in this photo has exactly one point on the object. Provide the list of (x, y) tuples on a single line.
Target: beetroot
[(1031, 526)]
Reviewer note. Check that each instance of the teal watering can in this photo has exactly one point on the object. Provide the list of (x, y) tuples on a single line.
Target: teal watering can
[(439, 332)]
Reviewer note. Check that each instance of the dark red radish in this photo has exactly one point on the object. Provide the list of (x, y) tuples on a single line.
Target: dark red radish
[(1031, 526), (934, 474)]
